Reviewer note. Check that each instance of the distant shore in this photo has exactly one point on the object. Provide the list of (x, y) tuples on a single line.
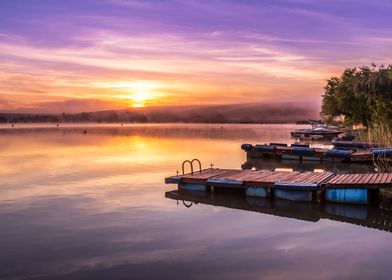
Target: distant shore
[(87, 123), (242, 113)]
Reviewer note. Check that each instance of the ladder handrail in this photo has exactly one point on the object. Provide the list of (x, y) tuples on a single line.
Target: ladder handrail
[(183, 166), (198, 161), (191, 164)]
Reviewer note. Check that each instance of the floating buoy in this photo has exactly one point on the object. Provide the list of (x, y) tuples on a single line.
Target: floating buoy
[(338, 153), (57, 125), (246, 147), (265, 148), (85, 131), (12, 125)]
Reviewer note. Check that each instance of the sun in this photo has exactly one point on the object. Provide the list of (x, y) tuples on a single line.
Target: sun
[(136, 94), (139, 99), (142, 93)]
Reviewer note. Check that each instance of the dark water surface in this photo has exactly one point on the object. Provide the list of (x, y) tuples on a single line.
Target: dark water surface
[(92, 205)]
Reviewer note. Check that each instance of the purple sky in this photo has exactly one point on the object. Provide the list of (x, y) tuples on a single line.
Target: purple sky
[(90, 55)]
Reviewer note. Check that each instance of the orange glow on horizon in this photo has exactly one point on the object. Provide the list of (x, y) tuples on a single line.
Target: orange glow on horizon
[(100, 79), (130, 60), (135, 94)]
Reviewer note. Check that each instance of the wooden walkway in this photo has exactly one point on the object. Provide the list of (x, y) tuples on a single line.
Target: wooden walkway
[(372, 180), (262, 178), (313, 154)]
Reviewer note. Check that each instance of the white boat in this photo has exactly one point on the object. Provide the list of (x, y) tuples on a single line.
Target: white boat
[(318, 131)]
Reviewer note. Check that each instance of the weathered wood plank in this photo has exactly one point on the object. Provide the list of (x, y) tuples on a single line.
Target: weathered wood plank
[(384, 178), (268, 178), (367, 178), (358, 179)]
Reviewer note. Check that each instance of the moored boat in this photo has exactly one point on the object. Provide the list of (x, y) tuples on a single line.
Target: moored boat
[(318, 131)]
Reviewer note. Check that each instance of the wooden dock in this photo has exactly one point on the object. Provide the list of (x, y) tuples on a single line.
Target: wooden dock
[(302, 186), (250, 178), (306, 153), (266, 178), (291, 165), (367, 181)]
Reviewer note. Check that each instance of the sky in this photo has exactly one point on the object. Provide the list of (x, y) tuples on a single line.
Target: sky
[(88, 55)]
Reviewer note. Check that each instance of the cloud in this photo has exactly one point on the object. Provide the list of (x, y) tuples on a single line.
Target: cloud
[(55, 107), (138, 4), (201, 52), (182, 66)]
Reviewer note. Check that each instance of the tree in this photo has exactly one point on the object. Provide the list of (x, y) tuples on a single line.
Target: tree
[(361, 95)]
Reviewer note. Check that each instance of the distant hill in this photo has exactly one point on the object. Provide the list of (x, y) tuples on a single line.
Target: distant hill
[(243, 113)]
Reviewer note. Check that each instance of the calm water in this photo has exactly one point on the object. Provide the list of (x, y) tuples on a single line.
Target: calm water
[(77, 205)]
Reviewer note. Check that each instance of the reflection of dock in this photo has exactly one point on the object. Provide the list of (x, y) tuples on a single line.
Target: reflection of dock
[(361, 215), (282, 208), (365, 216), (334, 167)]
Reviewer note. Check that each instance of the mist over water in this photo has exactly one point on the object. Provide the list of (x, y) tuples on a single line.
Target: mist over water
[(271, 113), (88, 202)]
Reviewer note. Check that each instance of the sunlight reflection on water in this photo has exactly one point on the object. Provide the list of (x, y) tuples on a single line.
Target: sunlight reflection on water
[(92, 205)]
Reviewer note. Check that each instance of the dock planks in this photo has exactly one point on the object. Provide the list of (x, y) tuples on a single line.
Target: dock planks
[(319, 153), (368, 180), (265, 178)]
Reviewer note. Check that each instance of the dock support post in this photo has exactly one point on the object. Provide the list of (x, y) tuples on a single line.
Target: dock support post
[(319, 195), (374, 196), (270, 193)]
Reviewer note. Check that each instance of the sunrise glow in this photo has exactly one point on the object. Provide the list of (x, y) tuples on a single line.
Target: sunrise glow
[(195, 139), (136, 55)]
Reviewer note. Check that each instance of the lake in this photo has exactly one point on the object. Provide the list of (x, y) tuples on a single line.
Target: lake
[(89, 202)]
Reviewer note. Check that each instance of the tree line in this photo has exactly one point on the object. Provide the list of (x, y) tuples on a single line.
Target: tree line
[(234, 113), (360, 96)]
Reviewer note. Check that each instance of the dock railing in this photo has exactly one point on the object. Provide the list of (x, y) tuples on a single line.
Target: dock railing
[(191, 165)]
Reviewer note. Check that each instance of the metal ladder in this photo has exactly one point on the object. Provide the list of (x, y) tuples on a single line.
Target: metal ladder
[(183, 172), (191, 165)]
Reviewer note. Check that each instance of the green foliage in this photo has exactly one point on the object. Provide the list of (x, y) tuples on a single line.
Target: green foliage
[(361, 95)]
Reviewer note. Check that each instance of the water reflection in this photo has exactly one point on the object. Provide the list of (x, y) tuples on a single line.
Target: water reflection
[(367, 216), (210, 131), (77, 205), (295, 165)]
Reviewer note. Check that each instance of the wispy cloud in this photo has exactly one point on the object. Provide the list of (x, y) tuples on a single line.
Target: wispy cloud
[(215, 52)]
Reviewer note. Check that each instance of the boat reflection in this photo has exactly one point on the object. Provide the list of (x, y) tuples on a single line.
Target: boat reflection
[(366, 216), (293, 165)]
